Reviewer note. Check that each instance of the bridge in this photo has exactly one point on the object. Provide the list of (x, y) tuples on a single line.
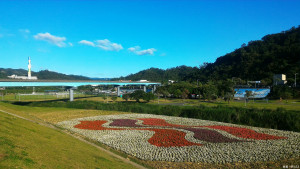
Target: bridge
[(74, 84)]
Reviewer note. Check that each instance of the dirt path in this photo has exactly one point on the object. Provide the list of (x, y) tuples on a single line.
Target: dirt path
[(79, 138)]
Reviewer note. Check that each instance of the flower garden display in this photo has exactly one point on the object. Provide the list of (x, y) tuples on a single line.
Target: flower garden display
[(154, 137)]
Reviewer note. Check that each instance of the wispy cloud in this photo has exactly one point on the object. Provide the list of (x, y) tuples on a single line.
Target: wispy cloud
[(85, 42), (108, 45), (42, 50), (137, 50), (133, 49), (104, 44), (5, 33), (56, 40), (163, 54), (24, 30), (70, 44)]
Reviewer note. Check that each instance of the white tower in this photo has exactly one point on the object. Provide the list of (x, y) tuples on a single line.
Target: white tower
[(29, 68)]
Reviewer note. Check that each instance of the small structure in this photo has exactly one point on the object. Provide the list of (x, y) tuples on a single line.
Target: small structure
[(279, 79), (22, 77), (170, 81), (28, 77)]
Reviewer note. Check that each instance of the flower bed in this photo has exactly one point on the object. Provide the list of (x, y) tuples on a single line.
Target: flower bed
[(154, 137)]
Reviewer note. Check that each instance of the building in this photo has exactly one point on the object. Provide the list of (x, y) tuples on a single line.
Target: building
[(28, 77), (22, 77), (279, 79)]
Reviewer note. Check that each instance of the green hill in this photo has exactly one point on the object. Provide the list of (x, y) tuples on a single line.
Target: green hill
[(182, 73), (258, 60)]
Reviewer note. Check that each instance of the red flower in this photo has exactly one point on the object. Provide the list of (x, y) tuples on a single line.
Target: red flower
[(246, 133), (171, 137)]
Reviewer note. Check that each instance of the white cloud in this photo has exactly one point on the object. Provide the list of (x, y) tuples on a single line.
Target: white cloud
[(70, 44), (108, 45), (137, 50), (85, 42), (58, 41), (24, 30), (146, 52)]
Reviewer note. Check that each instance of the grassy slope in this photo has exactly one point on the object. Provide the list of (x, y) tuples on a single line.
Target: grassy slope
[(24, 144), (52, 114)]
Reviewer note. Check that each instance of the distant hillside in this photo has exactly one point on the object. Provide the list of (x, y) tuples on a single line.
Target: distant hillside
[(182, 73), (42, 75), (258, 60)]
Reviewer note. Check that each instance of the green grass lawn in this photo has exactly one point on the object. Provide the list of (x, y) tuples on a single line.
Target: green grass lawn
[(16, 97), (24, 144), (52, 114), (260, 104)]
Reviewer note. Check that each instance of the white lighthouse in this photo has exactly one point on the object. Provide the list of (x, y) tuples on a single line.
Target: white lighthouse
[(29, 68)]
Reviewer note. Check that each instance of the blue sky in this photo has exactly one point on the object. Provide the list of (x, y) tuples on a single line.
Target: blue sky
[(116, 38)]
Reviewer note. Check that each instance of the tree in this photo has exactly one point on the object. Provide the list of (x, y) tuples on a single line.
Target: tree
[(114, 98), (177, 93), (2, 94), (185, 94), (148, 96), (162, 91), (126, 97), (247, 95), (104, 97), (229, 96), (209, 91), (285, 92), (137, 95), (282, 92), (224, 87)]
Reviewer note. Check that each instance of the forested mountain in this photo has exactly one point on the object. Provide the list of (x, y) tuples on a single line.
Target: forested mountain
[(42, 75), (182, 73), (258, 60)]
